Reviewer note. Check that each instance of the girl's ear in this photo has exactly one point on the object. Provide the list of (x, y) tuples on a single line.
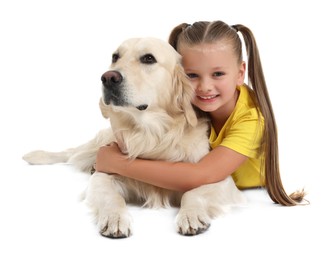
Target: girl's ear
[(242, 73), (104, 109), (183, 94)]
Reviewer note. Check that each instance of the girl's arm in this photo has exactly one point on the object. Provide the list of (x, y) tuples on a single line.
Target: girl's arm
[(181, 176)]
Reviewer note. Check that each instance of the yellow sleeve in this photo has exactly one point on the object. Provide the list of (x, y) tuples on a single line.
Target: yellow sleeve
[(244, 134)]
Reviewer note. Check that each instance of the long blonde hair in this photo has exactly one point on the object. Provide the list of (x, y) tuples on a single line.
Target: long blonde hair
[(214, 32)]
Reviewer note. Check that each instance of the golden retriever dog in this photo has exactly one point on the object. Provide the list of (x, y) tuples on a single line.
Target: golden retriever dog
[(146, 95)]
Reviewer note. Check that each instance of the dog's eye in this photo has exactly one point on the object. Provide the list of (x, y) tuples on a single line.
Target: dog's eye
[(148, 59), (115, 57)]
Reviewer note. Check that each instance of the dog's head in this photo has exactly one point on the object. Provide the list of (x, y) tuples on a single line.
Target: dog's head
[(146, 75)]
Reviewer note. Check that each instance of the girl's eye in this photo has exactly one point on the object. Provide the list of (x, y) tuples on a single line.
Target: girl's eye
[(218, 74), (192, 75)]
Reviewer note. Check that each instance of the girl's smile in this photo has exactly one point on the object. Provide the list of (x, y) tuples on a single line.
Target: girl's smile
[(207, 98)]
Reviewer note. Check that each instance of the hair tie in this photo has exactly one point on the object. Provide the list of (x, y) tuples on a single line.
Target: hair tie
[(235, 28), (185, 26)]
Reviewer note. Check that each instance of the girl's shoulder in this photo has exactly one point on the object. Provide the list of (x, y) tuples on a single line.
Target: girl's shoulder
[(246, 106)]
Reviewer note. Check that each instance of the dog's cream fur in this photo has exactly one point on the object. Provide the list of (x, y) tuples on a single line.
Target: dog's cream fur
[(151, 117)]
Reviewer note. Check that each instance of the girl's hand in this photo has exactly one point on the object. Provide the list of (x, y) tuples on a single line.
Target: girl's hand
[(109, 159)]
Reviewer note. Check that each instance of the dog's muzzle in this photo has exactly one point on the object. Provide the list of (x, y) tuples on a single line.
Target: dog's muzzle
[(113, 90)]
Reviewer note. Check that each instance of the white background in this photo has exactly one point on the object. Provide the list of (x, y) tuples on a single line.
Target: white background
[(52, 54)]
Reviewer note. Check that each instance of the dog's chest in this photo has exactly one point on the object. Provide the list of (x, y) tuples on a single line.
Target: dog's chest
[(189, 146), (161, 138)]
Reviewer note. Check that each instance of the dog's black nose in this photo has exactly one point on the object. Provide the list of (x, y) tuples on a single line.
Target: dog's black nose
[(111, 78)]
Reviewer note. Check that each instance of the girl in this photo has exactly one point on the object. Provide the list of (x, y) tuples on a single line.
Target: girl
[(243, 133)]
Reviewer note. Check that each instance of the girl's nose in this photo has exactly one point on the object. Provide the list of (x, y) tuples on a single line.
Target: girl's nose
[(204, 86)]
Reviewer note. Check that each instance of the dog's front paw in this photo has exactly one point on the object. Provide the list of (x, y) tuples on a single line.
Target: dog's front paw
[(192, 221), (115, 225)]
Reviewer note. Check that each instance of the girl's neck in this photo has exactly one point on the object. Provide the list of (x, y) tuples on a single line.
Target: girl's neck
[(221, 115)]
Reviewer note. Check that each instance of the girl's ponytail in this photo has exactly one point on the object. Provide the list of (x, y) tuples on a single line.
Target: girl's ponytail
[(174, 36), (270, 136)]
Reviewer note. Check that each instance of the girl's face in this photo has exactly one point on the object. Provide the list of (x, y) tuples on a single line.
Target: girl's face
[(214, 72)]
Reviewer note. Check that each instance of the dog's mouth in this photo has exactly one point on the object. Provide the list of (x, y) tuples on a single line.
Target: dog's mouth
[(114, 93), (117, 97), (142, 107), (121, 103)]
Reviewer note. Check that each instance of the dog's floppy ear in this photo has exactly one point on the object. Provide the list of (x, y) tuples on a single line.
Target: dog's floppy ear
[(184, 92), (104, 109)]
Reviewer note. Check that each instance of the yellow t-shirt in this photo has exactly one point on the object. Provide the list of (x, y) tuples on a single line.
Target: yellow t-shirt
[(242, 133)]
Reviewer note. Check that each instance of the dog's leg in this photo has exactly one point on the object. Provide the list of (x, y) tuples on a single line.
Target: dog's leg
[(200, 205), (104, 197)]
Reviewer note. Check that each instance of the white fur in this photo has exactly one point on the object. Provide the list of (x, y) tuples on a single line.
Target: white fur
[(167, 130)]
